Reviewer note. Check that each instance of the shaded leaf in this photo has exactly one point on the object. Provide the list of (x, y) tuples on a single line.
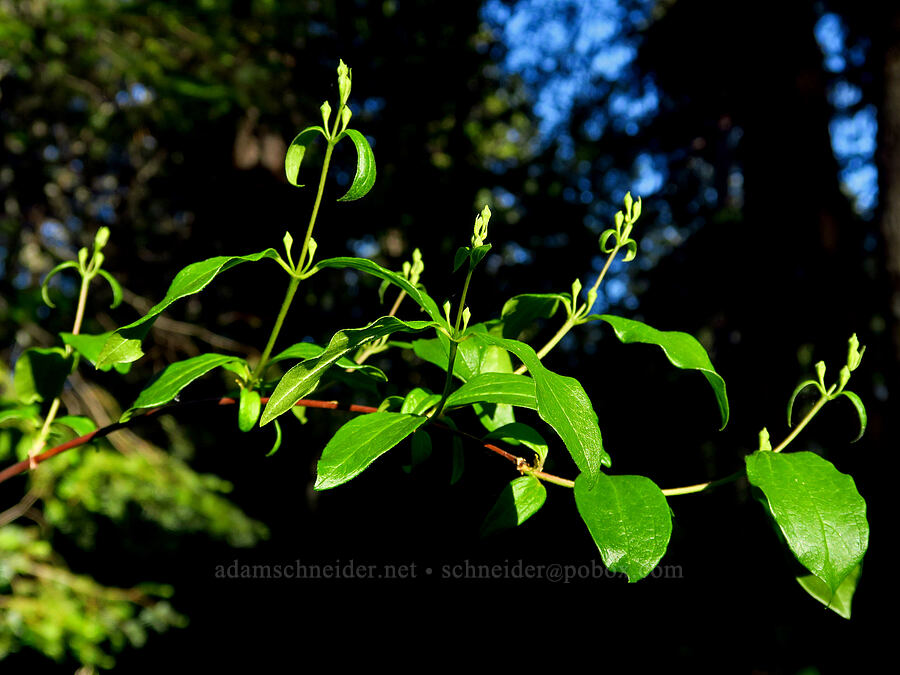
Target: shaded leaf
[(817, 508), (841, 600), (359, 443), (520, 499), (629, 519), (517, 432), (79, 424), (860, 411), (40, 373), (521, 311)]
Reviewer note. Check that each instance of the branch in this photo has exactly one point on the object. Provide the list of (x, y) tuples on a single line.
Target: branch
[(20, 467)]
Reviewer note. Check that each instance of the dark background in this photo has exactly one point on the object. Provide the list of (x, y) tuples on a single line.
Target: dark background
[(755, 247)]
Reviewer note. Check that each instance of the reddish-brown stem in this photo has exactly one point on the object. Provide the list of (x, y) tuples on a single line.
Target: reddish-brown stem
[(24, 465)]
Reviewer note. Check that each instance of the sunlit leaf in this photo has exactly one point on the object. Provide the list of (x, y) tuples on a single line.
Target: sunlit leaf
[(508, 388), (296, 151), (174, 378), (369, 267), (303, 378), (629, 519), (365, 166), (818, 509), (359, 443), (563, 404), (682, 350), (124, 345)]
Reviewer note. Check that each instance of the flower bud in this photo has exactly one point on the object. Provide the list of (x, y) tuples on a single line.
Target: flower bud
[(346, 114), (344, 81), (101, 238), (628, 203), (820, 371), (326, 114), (764, 442)]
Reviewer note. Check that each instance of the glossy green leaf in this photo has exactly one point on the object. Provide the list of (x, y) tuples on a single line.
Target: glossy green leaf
[(418, 295), (40, 373), (521, 311), (296, 151), (419, 450), (860, 411), (517, 390), (307, 350), (248, 409), (277, 443), (817, 508), (78, 423), (90, 346), (115, 286), (563, 404), (45, 294), (682, 350), (365, 166), (359, 443), (839, 601), (124, 345), (303, 378), (418, 401), (518, 432), (629, 519), (800, 387), (520, 499), (472, 356), (174, 378), (462, 254)]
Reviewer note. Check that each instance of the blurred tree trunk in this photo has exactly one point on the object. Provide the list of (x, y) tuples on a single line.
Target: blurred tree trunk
[(889, 156)]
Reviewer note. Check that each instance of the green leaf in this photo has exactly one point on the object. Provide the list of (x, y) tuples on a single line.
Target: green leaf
[(296, 150), (516, 433), (359, 443), (840, 600), (682, 350), (115, 286), (462, 254), (45, 284), (29, 413), (418, 401), (365, 166), (520, 500), (79, 424), (563, 404), (800, 387), (124, 345), (303, 378), (248, 409), (629, 519), (860, 410), (369, 267), (307, 350), (277, 443), (90, 346), (40, 373), (817, 508), (174, 378), (508, 388), (521, 311), (420, 450)]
